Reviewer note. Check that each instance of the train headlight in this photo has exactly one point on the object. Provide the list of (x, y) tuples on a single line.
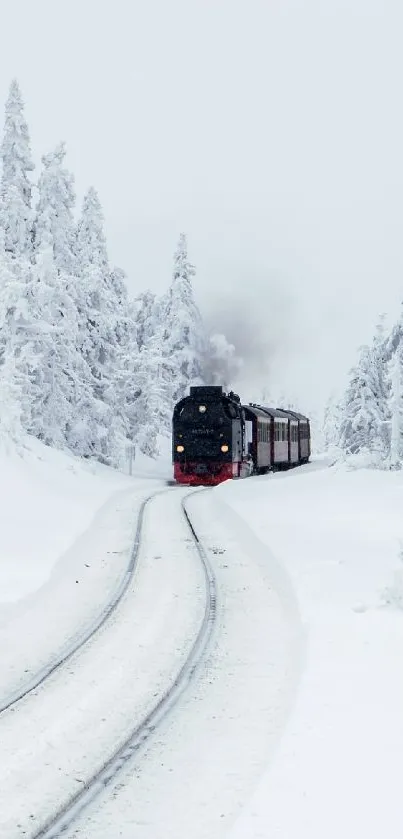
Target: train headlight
[(202, 409), (180, 449), (224, 448)]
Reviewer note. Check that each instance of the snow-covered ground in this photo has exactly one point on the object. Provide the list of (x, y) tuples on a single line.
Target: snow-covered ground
[(339, 535), (47, 500), (66, 533), (293, 727)]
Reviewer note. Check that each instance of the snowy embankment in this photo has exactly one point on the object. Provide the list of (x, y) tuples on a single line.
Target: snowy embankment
[(339, 535), (66, 533)]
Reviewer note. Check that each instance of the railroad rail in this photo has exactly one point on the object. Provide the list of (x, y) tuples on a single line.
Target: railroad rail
[(82, 638), (66, 815)]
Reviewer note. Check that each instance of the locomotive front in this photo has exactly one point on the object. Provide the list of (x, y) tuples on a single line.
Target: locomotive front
[(206, 437)]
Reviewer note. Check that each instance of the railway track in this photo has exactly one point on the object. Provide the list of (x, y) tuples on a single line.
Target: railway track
[(73, 806), (82, 638)]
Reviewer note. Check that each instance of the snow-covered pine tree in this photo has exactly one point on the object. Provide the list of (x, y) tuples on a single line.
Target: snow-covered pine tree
[(54, 222), (145, 313), (15, 152), (90, 238), (182, 334), (145, 388), (331, 423), (103, 321), (11, 387), (63, 393), (364, 414), (396, 409)]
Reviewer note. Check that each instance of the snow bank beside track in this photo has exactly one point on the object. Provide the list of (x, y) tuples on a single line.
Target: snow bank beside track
[(339, 535)]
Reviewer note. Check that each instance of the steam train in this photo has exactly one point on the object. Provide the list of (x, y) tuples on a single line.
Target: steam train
[(215, 437)]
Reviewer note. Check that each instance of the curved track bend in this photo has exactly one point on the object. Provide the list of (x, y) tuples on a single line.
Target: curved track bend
[(60, 821), (82, 638)]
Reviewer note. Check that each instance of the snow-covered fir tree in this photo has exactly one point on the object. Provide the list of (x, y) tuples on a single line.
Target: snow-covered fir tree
[(396, 408), (11, 385), (145, 385), (182, 334), (145, 313), (102, 306), (90, 238), (331, 423), (54, 223), (15, 152), (364, 412)]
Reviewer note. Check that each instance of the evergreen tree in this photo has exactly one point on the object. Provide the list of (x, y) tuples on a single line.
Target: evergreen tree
[(11, 387), (181, 331), (364, 411), (16, 211), (396, 409), (90, 238), (104, 323), (56, 366), (331, 423), (54, 223), (145, 312)]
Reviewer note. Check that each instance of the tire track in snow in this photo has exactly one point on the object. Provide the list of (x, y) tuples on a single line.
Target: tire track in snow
[(65, 817), (82, 638)]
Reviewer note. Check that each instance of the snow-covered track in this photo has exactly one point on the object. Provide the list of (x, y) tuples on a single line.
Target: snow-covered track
[(79, 640), (61, 821)]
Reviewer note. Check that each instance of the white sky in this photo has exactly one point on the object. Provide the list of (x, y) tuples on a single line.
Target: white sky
[(270, 131)]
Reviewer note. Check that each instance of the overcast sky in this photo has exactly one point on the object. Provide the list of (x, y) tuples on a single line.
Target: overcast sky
[(270, 131)]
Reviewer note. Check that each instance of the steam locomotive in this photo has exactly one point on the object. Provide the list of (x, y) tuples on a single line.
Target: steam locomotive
[(215, 437)]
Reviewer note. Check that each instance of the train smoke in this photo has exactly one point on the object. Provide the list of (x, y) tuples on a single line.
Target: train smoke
[(259, 336)]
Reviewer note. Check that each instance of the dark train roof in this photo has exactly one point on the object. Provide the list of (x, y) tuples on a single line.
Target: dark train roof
[(262, 411), (266, 410), (297, 415)]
